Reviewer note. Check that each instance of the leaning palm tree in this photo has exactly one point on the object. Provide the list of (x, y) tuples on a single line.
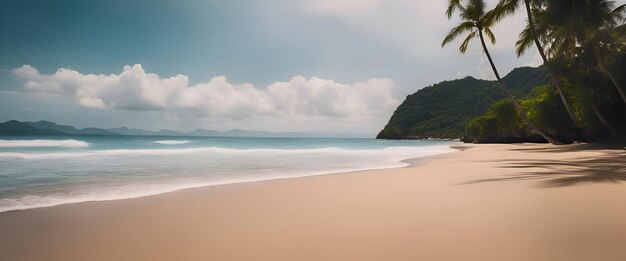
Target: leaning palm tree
[(476, 21), (620, 33), (578, 23), (529, 36)]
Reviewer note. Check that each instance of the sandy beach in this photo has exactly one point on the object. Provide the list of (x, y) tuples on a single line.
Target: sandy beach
[(486, 202)]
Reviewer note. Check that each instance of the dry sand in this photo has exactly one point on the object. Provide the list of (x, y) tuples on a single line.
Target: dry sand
[(488, 202)]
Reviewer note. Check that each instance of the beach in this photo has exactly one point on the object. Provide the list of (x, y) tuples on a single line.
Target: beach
[(484, 202)]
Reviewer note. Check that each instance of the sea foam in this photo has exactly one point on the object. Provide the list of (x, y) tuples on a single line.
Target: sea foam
[(113, 168), (144, 190), (43, 143), (400, 153), (172, 142)]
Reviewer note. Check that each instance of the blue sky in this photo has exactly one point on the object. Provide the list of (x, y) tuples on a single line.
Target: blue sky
[(332, 67)]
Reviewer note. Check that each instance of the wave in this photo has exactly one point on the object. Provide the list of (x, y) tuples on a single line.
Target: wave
[(172, 142), (401, 152), (144, 190), (43, 143)]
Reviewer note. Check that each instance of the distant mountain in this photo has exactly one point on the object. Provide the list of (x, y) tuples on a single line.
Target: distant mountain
[(50, 128), (203, 132), (140, 132), (248, 133), (129, 131), (211, 133), (19, 128), (46, 125), (168, 133), (442, 110)]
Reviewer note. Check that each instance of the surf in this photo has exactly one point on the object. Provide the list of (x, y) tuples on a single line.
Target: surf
[(43, 143)]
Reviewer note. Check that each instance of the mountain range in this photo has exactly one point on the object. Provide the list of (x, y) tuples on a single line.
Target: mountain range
[(14, 127)]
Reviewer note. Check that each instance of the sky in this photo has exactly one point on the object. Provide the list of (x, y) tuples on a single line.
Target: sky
[(331, 67)]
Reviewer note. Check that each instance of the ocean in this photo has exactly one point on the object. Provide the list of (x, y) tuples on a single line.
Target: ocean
[(48, 171)]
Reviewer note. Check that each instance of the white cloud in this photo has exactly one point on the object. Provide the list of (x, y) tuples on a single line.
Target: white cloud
[(134, 89)]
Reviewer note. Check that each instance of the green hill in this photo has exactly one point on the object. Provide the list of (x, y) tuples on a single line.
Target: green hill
[(19, 128), (443, 110)]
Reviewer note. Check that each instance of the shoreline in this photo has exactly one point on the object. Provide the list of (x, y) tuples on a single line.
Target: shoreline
[(489, 202), (408, 162)]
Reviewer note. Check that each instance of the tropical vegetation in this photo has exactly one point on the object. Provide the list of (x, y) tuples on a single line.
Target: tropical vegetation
[(581, 43), (444, 109)]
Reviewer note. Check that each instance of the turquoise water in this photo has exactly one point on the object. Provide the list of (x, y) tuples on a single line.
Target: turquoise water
[(47, 171)]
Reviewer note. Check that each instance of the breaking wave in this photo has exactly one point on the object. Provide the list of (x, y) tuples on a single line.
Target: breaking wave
[(172, 142), (43, 143)]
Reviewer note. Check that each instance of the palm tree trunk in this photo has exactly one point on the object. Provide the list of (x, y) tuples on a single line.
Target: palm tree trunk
[(508, 94), (555, 82), (606, 71), (603, 121)]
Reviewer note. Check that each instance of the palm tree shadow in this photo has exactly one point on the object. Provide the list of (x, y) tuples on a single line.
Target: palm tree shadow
[(609, 168), (614, 148)]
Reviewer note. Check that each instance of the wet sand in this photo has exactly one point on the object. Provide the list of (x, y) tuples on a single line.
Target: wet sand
[(487, 202)]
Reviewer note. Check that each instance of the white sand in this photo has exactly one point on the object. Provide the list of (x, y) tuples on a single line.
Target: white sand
[(489, 202)]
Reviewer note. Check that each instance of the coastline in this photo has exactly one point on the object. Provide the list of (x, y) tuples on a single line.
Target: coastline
[(488, 202), (403, 162)]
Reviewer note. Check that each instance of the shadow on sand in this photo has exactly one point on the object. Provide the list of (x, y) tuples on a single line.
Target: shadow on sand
[(610, 167), (616, 148)]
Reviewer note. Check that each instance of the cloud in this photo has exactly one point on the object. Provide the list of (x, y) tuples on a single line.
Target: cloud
[(340, 8), (135, 89)]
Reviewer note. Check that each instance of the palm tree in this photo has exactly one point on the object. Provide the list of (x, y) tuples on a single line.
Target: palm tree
[(576, 23), (530, 35), (604, 122), (477, 22)]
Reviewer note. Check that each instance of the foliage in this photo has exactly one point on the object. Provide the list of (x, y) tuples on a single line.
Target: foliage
[(588, 87), (477, 21), (501, 123), (443, 110), (585, 55)]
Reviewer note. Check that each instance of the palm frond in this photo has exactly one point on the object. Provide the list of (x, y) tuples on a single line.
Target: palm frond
[(463, 47), (524, 41), (453, 5), (459, 29), (619, 13), (492, 38), (503, 9)]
